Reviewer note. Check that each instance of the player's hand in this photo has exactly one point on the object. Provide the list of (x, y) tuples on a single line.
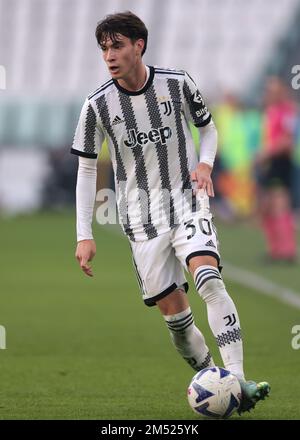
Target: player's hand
[(201, 176), (85, 252)]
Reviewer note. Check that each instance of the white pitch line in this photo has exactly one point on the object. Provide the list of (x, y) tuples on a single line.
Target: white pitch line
[(261, 285)]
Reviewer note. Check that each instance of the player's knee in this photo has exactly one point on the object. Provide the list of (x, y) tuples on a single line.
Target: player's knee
[(213, 291), (209, 284)]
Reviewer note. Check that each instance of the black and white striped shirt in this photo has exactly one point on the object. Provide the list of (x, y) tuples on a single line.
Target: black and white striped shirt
[(150, 144)]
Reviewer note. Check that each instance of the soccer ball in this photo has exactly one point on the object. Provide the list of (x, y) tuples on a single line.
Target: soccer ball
[(214, 392)]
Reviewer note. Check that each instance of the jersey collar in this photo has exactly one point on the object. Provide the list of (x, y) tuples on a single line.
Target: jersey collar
[(138, 92)]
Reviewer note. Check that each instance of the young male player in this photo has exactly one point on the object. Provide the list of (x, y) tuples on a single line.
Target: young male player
[(144, 112)]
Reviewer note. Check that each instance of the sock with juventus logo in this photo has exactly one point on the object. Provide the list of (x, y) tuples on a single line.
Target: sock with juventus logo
[(222, 317)]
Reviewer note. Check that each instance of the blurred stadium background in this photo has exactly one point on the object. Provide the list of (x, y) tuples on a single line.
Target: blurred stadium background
[(71, 339)]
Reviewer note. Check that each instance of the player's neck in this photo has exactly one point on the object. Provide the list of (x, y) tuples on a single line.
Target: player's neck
[(136, 80)]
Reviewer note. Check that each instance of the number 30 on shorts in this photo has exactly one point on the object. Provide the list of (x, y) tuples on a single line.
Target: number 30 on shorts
[(203, 224)]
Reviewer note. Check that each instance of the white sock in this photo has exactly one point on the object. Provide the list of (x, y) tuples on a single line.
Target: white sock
[(188, 340), (222, 317)]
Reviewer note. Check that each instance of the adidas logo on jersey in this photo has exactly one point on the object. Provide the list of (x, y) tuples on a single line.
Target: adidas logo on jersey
[(117, 120), (210, 243), (141, 138)]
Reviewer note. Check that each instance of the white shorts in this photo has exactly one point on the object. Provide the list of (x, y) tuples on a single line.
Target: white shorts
[(160, 262)]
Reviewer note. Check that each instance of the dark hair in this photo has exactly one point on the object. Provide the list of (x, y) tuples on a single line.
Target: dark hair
[(124, 23)]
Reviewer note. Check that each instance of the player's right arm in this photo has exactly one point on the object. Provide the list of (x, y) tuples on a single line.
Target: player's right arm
[(85, 201), (87, 143)]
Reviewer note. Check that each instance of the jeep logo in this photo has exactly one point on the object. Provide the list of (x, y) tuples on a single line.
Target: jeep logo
[(141, 138)]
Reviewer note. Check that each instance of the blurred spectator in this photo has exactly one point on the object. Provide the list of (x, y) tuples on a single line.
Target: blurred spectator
[(274, 172), (239, 132), (296, 171)]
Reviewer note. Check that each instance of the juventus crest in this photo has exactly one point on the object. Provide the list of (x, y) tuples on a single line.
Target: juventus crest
[(167, 107)]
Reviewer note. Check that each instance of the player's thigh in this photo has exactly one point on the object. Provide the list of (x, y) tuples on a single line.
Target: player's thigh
[(158, 271), (196, 243)]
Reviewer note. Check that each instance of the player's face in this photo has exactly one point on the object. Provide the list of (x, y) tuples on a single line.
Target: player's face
[(121, 56)]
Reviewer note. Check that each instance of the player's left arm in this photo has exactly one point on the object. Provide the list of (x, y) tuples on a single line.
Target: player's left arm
[(197, 112)]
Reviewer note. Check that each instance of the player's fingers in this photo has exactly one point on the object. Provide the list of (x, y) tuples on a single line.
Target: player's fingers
[(88, 272), (193, 176), (201, 184), (210, 189), (87, 269), (83, 263)]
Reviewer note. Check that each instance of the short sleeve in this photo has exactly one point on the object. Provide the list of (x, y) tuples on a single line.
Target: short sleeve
[(88, 137), (194, 106)]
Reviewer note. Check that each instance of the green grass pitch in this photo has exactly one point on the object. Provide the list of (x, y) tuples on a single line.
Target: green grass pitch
[(81, 348)]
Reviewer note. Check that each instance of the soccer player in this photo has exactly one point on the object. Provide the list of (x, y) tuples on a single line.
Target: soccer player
[(144, 113)]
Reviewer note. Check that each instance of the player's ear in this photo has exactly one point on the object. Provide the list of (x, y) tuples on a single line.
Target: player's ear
[(140, 43)]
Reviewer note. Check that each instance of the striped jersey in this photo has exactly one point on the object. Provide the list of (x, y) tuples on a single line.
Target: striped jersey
[(150, 145)]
